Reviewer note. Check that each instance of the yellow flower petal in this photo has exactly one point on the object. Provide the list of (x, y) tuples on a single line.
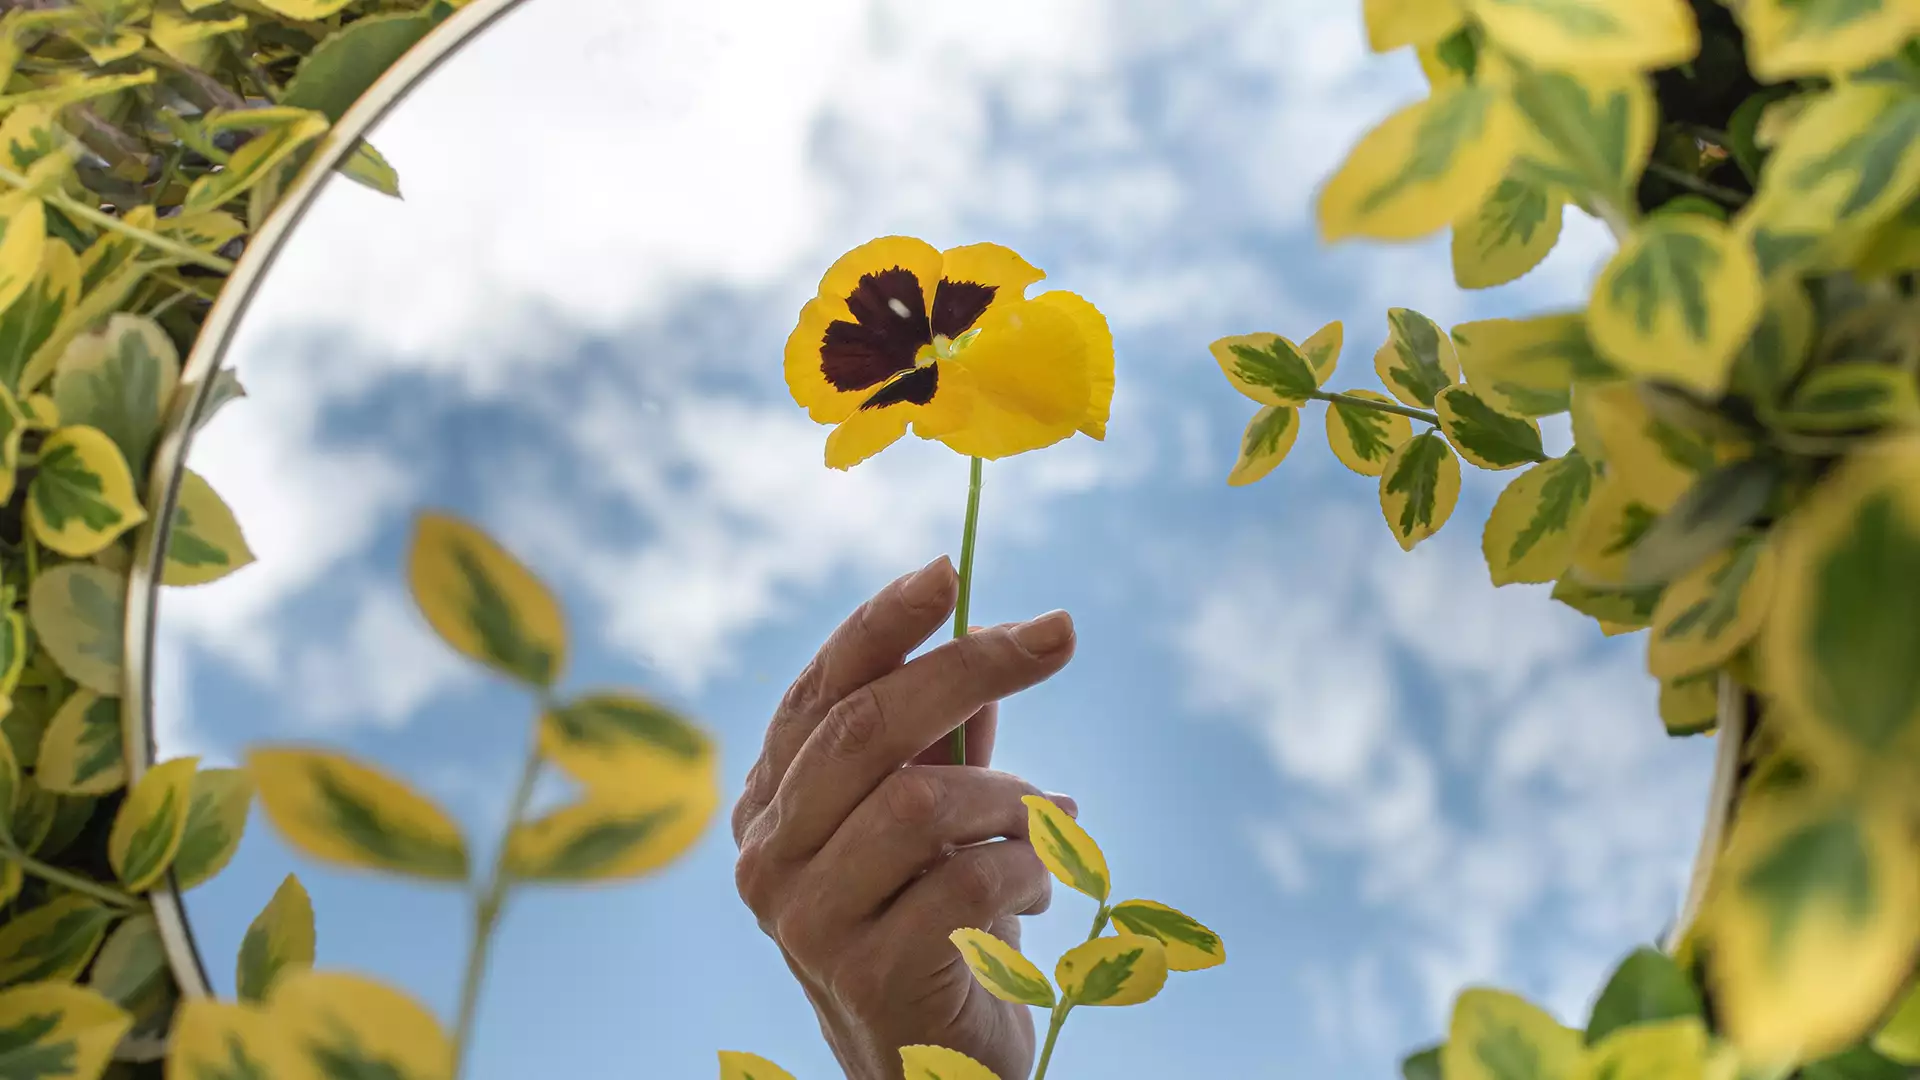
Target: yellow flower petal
[(951, 407), (991, 264), (1029, 373), (1099, 339), (866, 433), (905, 252)]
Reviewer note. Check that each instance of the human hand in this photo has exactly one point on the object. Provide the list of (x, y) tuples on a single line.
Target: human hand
[(860, 852)]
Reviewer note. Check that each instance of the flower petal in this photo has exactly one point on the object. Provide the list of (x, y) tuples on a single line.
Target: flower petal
[(866, 433), (806, 379), (1029, 376), (952, 404), (976, 276), (1099, 339), (916, 256)]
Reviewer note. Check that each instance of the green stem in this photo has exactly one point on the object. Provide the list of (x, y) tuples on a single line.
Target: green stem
[(1377, 406), (958, 740), (1696, 185), (1053, 1035), (104, 893), (110, 223), (33, 556), (486, 911)]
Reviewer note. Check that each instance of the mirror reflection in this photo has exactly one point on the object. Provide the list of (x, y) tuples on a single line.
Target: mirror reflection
[(1374, 774)]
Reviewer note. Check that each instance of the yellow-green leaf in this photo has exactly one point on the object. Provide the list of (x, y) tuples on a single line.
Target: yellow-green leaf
[(13, 654), (9, 785), (253, 162), (305, 10), (1418, 360), (1787, 39), (1586, 132), (738, 1065), (1322, 351), (131, 961), (53, 942), (1777, 349), (1607, 531), (205, 543), (483, 602), (221, 1040), (1270, 435), (1268, 368), (1485, 436), (215, 821), (1710, 614), (1529, 534), (1424, 168), (27, 323), (940, 1063), (73, 89), (1640, 34), (204, 230), (1618, 611), (1362, 438), (1066, 849), (1899, 1038), (1676, 301), (346, 1025), (23, 238), (1526, 367), (1392, 24), (190, 40), (1894, 247), (1001, 969), (602, 838), (1189, 945), (80, 753), (11, 878), (52, 1026), (1667, 1050), (337, 810), (147, 830), (13, 427), (1497, 1036), (1653, 462), (1690, 705), (347, 63), (83, 497), (1418, 488), (1712, 514), (1508, 234), (96, 302), (364, 165), (1853, 397), (1125, 969), (77, 611), (34, 811), (615, 742), (279, 940)]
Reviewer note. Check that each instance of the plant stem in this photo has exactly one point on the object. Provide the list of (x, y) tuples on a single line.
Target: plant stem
[(958, 740), (33, 555), (113, 224), (486, 910), (1053, 1035), (1377, 406), (1696, 185), (104, 893)]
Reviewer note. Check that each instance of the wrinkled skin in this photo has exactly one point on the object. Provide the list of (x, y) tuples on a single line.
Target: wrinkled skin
[(861, 851)]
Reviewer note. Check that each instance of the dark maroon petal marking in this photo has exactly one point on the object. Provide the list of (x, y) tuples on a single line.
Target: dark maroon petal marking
[(957, 303), (884, 342), (915, 389)]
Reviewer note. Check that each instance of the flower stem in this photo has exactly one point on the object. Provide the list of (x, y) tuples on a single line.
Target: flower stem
[(1700, 187), (1053, 1035), (958, 740), (1377, 406), (104, 893), (113, 224), (486, 911)]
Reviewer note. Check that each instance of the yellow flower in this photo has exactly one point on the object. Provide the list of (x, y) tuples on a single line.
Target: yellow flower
[(947, 341)]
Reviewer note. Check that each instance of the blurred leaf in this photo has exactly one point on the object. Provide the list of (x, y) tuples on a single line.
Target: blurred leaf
[(205, 543), (1497, 1036), (1677, 301), (1641, 34), (1526, 367), (119, 380), (147, 830), (1712, 612), (217, 1040), (80, 754), (1786, 38), (1512, 230), (1899, 1038), (1647, 987), (1673, 1049), (483, 602), (1529, 534), (1852, 397), (280, 940), (1690, 704), (1423, 1064), (1776, 351), (616, 742), (1710, 516), (346, 1025), (26, 323), (83, 497), (364, 165), (1393, 24), (23, 238), (604, 838), (347, 64), (340, 811), (1586, 132), (53, 942), (77, 612), (215, 822), (58, 1031), (938, 1063), (737, 1065), (131, 961), (1423, 168)]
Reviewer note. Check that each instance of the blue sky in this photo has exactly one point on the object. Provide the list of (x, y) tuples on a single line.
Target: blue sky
[(1377, 776)]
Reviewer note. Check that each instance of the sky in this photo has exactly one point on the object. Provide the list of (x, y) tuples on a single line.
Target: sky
[(1379, 778)]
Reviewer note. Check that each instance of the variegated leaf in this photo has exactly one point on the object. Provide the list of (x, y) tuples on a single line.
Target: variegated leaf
[(1529, 534), (1526, 367), (215, 821), (205, 543), (1497, 1036), (1002, 970), (1363, 438), (1424, 168), (1485, 436), (77, 612), (147, 830), (1677, 301), (1794, 38), (1393, 24), (1587, 132), (1508, 234), (1418, 488), (1853, 397), (1066, 849), (1690, 704), (1125, 969), (1710, 614), (51, 1026), (1190, 946), (1270, 435), (940, 1063), (53, 942), (344, 812), (218, 1040), (602, 838), (80, 754), (83, 497), (737, 1065), (347, 1025), (27, 323), (1638, 34), (483, 602), (279, 941), (1267, 368), (1418, 360)]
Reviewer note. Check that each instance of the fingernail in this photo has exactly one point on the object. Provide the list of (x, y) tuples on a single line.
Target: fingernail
[(928, 584), (1065, 802), (1045, 634)]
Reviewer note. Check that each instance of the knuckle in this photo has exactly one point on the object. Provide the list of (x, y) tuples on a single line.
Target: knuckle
[(805, 692), (754, 879), (977, 881), (793, 928), (912, 798), (855, 723)]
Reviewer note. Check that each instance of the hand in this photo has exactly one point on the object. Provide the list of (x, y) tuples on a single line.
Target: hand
[(860, 853)]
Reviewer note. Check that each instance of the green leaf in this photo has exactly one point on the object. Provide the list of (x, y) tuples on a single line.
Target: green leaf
[(1526, 367), (1484, 436), (1190, 946), (279, 940), (53, 1031), (1419, 488), (77, 610), (226, 388), (1510, 233), (1853, 397), (1647, 987), (205, 543), (1677, 301), (1002, 970), (364, 165), (148, 828), (1269, 437), (1856, 1063), (1591, 131), (1617, 610), (1418, 360), (1706, 519), (131, 962), (1690, 704), (119, 380), (1497, 1036), (1363, 438), (1899, 1038), (1266, 368), (1529, 534), (53, 942), (1777, 349), (215, 821), (347, 63), (1423, 1064)]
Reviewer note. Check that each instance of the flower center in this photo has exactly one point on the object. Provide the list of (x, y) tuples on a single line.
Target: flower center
[(944, 348)]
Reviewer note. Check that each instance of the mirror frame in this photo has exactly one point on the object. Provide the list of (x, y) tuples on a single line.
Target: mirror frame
[(176, 437)]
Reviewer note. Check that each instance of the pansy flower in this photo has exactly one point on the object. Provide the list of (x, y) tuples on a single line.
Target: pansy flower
[(947, 341)]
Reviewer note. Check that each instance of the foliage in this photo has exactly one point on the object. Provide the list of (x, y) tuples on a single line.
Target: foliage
[(1744, 482)]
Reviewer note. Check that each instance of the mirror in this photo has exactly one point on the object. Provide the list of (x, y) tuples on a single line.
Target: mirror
[(1376, 775)]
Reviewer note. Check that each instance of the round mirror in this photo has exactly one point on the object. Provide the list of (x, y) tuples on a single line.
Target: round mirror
[(1376, 775)]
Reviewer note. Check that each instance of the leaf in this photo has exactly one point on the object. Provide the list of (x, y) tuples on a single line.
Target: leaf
[(1690, 704), (1639, 34), (1619, 611), (1322, 351), (34, 809), (190, 40), (1839, 643), (736, 1065), (1647, 987), (1607, 532), (1424, 168), (305, 10), (53, 942), (1510, 232), (1452, 60), (1267, 368), (345, 1025), (1653, 461), (1423, 1064), (1497, 1036), (1484, 436), (82, 499), (1811, 920), (1529, 534), (1125, 969), (1393, 24), (1712, 513), (940, 1063), (1418, 360), (52, 1031), (348, 62), (14, 645), (1190, 946), (131, 962), (1894, 247), (364, 165), (1526, 367), (1788, 39), (80, 754), (1899, 1037), (77, 611), (1065, 848), (1710, 614), (23, 238), (218, 1040), (617, 742), (147, 830), (1270, 435), (1676, 301), (1854, 1063), (1419, 488), (1586, 133), (1362, 438), (279, 941), (1852, 397), (603, 838), (71, 814), (1777, 349), (340, 811), (226, 387), (205, 543), (119, 380), (9, 786), (13, 427), (216, 819), (72, 91), (1001, 969), (10, 881), (26, 324), (1662, 1050), (483, 602), (255, 161)]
